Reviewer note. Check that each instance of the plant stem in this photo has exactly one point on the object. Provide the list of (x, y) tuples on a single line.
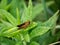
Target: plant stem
[(58, 26), (55, 43)]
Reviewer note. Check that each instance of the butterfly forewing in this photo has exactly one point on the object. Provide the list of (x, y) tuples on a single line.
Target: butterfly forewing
[(24, 25)]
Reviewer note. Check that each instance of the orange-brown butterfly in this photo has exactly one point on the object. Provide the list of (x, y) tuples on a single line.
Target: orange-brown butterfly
[(24, 25)]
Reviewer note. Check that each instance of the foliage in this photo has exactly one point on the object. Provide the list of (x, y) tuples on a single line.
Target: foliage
[(15, 13)]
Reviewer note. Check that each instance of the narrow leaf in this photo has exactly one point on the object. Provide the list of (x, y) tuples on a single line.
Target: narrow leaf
[(27, 14), (9, 17), (11, 30), (38, 8), (18, 16), (39, 30), (27, 37), (3, 4), (52, 20)]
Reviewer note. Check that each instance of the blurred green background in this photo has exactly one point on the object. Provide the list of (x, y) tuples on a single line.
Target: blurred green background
[(43, 13)]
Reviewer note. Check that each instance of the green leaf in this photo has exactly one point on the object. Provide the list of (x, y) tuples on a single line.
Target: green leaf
[(6, 23), (27, 14), (6, 41), (19, 43), (2, 30), (34, 43), (26, 37), (2, 17), (18, 16), (8, 6), (3, 4), (39, 30), (9, 17), (52, 21), (38, 8), (16, 4), (4, 26), (15, 32), (11, 30)]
